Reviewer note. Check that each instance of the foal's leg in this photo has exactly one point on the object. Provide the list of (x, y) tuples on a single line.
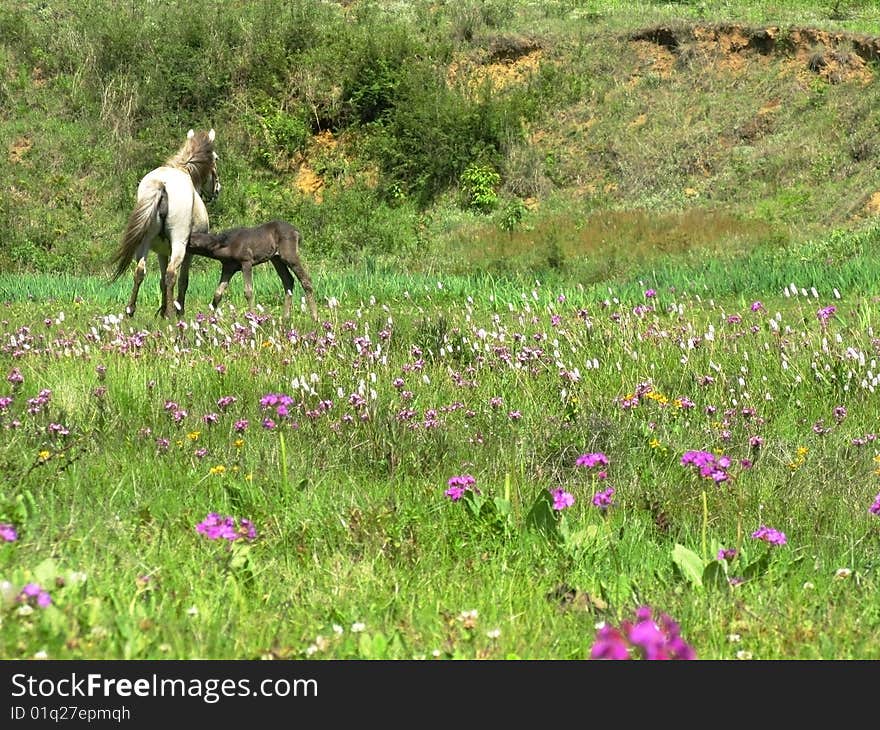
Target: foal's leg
[(286, 280), (229, 269), (294, 262), (246, 272)]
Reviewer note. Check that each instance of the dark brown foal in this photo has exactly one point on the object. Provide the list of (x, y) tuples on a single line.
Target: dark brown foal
[(240, 249)]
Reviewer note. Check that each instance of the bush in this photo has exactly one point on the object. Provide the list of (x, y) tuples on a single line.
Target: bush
[(434, 132)]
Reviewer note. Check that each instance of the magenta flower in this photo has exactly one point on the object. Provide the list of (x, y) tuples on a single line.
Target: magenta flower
[(215, 527), (460, 484), (33, 594), (653, 640), (825, 313), (561, 499), (240, 425), (209, 419), (726, 553), (757, 306), (225, 401), (874, 509), (770, 535), (609, 644), (591, 460), (602, 500), (650, 293), (7, 532), (15, 377), (708, 465)]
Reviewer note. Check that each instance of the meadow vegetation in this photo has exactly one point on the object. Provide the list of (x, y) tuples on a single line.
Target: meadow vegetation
[(596, 358)]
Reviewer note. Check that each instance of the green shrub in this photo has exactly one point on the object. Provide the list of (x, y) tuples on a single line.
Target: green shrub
[(479, 187)]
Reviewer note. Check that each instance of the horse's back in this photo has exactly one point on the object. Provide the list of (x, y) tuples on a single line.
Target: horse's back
[(186, 209)]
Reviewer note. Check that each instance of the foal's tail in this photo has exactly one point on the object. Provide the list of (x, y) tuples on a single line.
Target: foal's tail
[(138, 223)]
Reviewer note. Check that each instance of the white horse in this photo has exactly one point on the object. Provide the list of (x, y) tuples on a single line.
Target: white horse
[(169, 208)]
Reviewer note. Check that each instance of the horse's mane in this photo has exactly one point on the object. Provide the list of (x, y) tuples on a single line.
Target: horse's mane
[(195, 157)]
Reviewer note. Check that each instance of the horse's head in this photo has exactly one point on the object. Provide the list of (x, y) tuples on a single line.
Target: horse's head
[(199, 159), (212, 183)]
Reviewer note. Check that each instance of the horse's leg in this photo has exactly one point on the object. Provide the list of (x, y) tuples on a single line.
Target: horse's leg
[(183, 282), (140, 271), (178, 253), (163, 272), (247, 273), (294, 262), (229, 268), (286, 280)]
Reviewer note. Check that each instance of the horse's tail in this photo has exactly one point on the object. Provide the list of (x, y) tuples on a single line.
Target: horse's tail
[(138, 223)]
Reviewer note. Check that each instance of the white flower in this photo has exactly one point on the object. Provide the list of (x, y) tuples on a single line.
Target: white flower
[(734, 638), (42, 654), (338, 630), (843, 573), (357, 627), (743, 654), (493, 633), (192, 611)]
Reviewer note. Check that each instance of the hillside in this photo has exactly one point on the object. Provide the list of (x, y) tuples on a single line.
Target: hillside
[(447, 137)]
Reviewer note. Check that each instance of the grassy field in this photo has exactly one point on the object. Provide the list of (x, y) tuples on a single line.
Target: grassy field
[(598, 331), (145, 429)]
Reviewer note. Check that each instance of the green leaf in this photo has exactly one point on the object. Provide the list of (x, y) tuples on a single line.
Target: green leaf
[(689, 564), (46, 572), (757, 567), (715, 575), (542, 518)]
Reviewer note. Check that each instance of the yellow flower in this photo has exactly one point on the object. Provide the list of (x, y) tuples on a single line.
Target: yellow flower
[(194, 435), (179, 442), (44, 455), (219, 469), (654, 443), (877, 458), (248, 477), (238, 443), (802, 450)]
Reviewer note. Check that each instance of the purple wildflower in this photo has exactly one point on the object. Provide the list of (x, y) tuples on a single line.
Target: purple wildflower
[(654, 640), (708, 464), (225, 401), (591, 460), (727, 553), (609, 644), (874, 509), (650, 293), (770, 535), (34, 594), (602, 500), (15, 377), (458, 485), (240, 425), (7, 532), (825, 313), (215, 527), (561, 499)]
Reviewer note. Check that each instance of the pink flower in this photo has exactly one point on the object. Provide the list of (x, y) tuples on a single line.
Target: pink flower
[(591, 460), (561, 499)]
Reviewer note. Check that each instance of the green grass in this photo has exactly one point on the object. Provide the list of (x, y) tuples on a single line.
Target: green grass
[(519, 336), (352, 523)]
